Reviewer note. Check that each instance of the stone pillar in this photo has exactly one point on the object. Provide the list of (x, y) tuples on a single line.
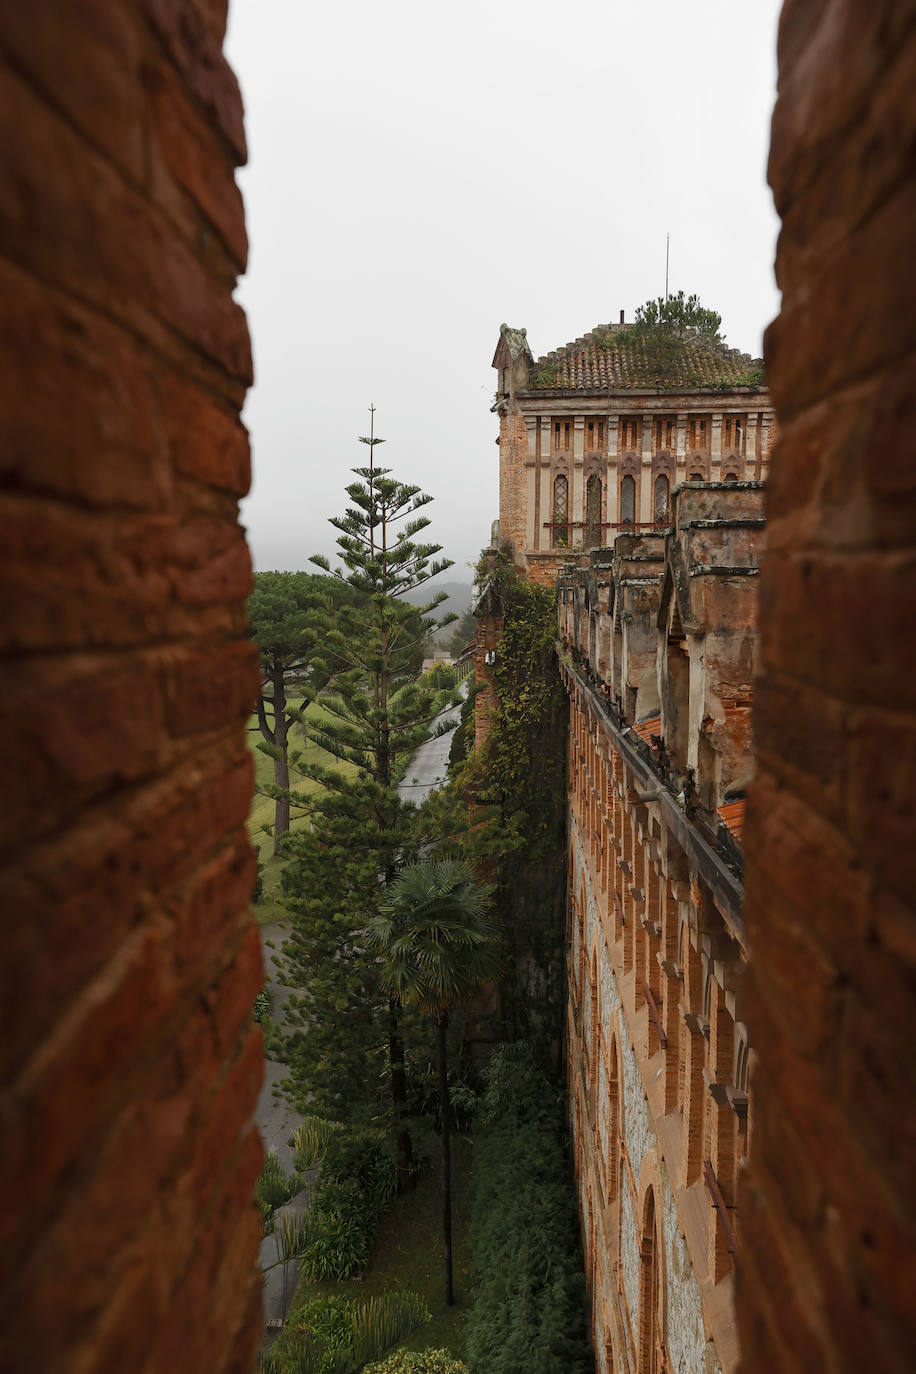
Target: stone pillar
[(715, 448), (577, 494), (681, 450), (645, 496), (531, 474)]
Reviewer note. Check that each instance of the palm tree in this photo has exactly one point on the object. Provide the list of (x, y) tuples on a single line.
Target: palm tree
[(438, 948)]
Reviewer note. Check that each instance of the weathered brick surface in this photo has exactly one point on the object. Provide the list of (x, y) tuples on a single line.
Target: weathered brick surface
[(130, 1065), (826, 1275)]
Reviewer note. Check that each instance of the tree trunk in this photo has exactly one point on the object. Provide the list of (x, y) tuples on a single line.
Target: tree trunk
[(445, 1111), (281, 762), (399, 1100)]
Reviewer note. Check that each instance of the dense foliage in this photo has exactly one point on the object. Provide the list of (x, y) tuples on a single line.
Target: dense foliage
[(356, 1180), (679, 315), (529, 1309), (516, 789), (335, 1335)]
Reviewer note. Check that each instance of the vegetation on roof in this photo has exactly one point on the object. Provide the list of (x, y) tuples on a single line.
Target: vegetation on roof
[(673, 344)]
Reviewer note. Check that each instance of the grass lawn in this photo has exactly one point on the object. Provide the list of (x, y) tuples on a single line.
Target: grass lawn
[(263, 809), (408, 1252)]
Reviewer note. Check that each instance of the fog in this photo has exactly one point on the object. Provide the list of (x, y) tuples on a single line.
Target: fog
[(419, 174)]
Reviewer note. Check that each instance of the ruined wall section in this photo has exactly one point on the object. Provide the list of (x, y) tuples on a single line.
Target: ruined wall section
[(827, 1280), (131, 1065), (513, 482)]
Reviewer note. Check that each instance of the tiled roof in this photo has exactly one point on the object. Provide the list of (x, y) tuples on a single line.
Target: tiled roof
[(612, 358), (647, 728), (732, 813)]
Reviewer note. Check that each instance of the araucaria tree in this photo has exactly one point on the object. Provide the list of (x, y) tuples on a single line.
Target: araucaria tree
[(438, 948), (376, 711), (282, 608)]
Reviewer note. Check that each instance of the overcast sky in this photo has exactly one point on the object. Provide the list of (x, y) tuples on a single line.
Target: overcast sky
[(419, 173)]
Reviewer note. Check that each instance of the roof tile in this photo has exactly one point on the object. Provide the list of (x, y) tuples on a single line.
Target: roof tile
[(611, 358)]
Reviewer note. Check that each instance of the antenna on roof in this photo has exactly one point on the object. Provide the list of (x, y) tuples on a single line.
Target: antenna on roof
[(667, 247)]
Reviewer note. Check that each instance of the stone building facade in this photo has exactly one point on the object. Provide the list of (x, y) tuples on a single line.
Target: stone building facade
[(595, 436), (643, 503), (658, 635)]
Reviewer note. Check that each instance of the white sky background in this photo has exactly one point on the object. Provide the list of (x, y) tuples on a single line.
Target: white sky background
[(420, 173)]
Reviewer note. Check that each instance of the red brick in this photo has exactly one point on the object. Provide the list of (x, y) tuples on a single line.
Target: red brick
[(131, 960), (101, 93), (882, 800), (70, 1085), (817, 877), (210, 907), (79, 410), (206, 440), (209, 690), (189, 153), (861, 602), (192, 35), (120, 254)]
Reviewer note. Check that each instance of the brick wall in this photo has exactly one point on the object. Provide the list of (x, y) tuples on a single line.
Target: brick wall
[(513, 490), (129, 958), (827, 1277)]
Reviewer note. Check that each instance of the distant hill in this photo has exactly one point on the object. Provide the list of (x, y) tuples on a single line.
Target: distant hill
[(460, 598)]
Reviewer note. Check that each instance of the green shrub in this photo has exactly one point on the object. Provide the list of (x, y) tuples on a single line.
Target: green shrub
[(263, 1005), (529, 1305), (381, 1322), (430, 1361), (357, 1179), (275, 1187), (363, 1157), (310, 1141), (342, 1229), (337, 1335)]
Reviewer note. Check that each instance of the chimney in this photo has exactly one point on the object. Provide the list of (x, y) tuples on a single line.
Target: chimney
[(621, 317)]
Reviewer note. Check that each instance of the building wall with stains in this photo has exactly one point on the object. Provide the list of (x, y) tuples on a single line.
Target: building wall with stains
[(657, 1041)]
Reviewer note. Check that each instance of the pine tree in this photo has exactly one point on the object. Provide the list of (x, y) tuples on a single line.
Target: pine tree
[(376, 712), (283, 609)]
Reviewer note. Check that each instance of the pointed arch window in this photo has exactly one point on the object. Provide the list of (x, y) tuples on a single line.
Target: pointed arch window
[(649, 1291), (627, 500), (593, 512), (661, 499), (561, 511)]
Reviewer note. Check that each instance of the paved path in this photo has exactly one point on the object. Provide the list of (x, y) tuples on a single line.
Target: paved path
[(428, 767)]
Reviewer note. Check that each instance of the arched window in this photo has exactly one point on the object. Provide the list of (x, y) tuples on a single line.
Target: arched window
[(696, 477), (561, 511), (731, 477), (593, 512), (661, 499), (649, 1290), (627, 501)]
